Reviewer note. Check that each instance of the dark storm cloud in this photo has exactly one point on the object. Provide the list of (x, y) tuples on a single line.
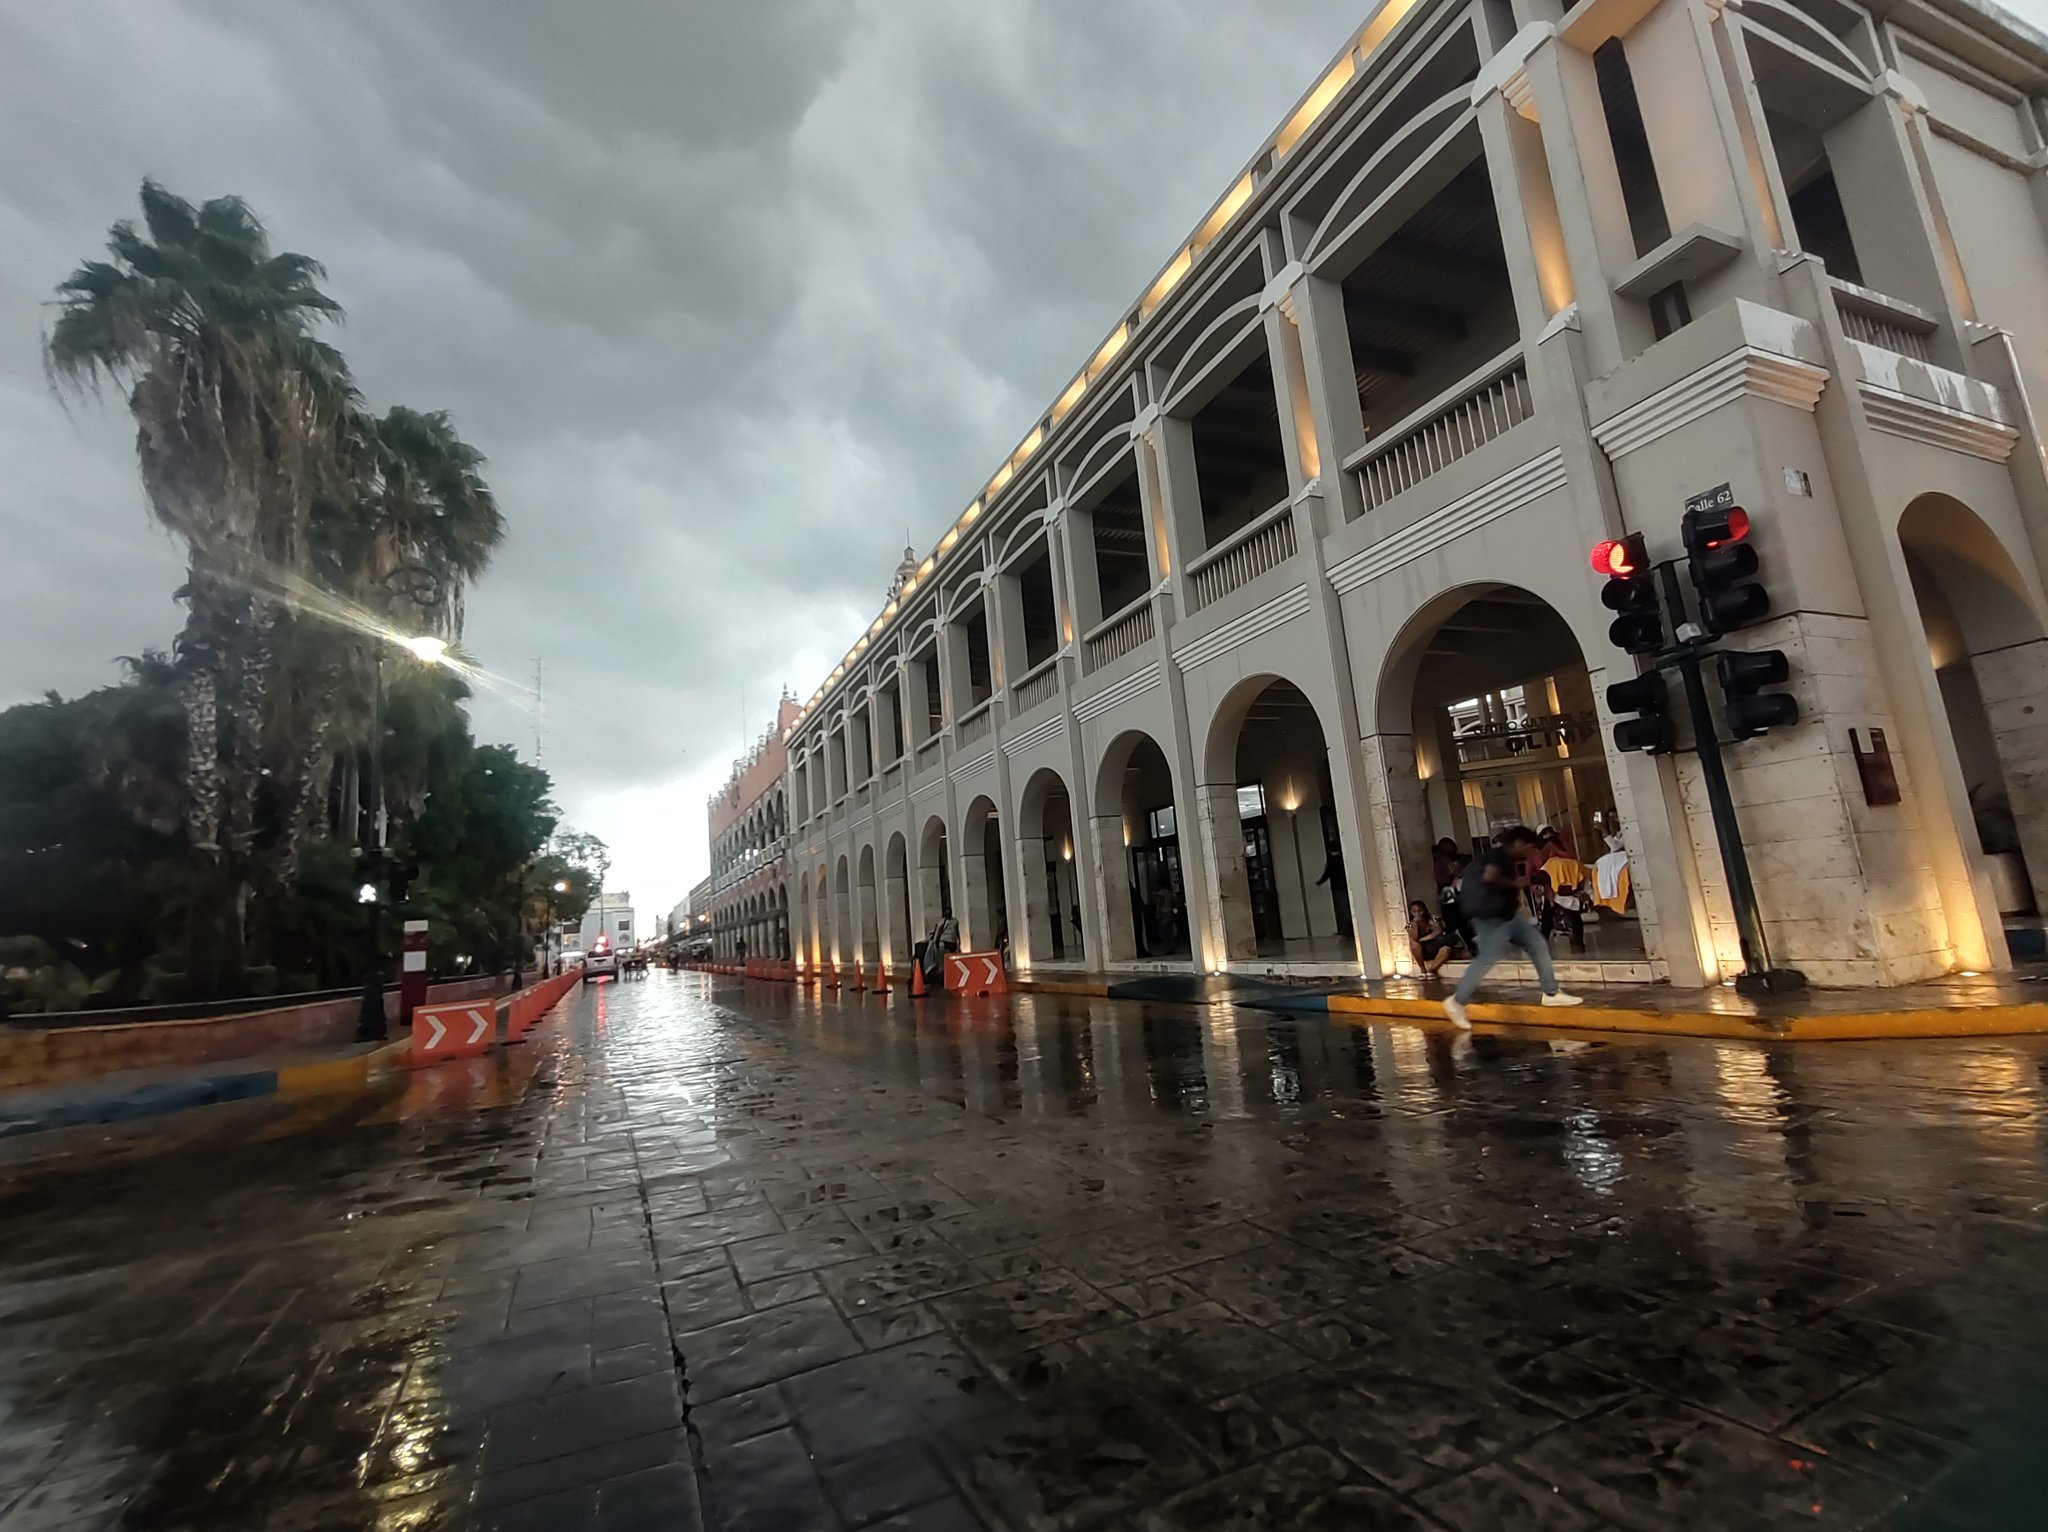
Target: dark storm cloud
[(731, 292)]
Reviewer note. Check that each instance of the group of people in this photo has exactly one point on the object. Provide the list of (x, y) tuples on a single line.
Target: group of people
[(1525, 888)]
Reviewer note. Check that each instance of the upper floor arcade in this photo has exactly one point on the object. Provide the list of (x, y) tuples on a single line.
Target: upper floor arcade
[(1490, 232)]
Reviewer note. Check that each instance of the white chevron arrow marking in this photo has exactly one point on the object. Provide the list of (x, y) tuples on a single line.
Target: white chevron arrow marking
[(438, 1032), (995, 973), (483, 1024)]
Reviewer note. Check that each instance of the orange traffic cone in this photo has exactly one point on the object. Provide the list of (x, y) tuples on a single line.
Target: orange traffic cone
[(916, 980)]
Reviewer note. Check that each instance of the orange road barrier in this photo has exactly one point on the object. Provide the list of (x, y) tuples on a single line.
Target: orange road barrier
[(976, 973), (458, 1031)]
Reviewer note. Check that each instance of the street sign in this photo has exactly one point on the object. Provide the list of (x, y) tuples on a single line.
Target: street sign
[(1719, 498)]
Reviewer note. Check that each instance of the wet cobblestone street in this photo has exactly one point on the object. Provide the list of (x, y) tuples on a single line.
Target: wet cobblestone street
[(732, 1256)]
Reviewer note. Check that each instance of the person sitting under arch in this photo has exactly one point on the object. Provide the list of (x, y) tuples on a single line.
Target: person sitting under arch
[(1428, 944)]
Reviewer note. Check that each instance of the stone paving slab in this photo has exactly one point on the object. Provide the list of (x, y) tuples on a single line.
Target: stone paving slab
[(734, 1256)]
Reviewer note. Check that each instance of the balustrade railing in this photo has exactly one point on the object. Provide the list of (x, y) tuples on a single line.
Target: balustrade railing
[(928, 751), (1463, 418), (1880, 320), (1248, 553), (1128, 630), (975, 726), (1040, 685)]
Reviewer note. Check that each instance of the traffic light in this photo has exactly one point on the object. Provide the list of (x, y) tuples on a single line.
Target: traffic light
[(1630, 593), (401, 877), (1650, 729), (1744, 675), (1723, 567)]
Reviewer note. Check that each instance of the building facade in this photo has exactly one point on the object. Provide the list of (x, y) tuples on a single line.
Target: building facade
[(611, 913), (748, 897), (1291, 584)]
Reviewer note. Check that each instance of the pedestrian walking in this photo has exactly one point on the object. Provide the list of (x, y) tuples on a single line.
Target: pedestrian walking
[(1490, 896)]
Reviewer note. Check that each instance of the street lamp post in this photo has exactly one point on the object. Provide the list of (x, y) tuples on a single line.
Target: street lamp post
[(554, 947), (370, 1024)]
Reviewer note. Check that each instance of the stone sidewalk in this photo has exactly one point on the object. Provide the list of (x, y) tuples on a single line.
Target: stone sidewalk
[(732, 1256)]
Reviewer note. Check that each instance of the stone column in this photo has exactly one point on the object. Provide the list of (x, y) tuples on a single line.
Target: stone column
[(1118, 942), (870, 929), (1004, 604), (930, 903), (1081, 603), (1227, 885), (977, 920), (2014, 684), (1031, 926), (1317, 307), (1400, 839), (860, 748), (888, 725), (956, 683), (915, 696), (1173, 494), (898, 939)]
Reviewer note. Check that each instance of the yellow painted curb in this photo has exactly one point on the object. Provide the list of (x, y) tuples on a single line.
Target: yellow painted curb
[(1844, 1026), (1841, 1026), (1060, 987), (324, 1076)]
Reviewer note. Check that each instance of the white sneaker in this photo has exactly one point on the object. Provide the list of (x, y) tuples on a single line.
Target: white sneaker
[(1455, 1009), (1559, 997)]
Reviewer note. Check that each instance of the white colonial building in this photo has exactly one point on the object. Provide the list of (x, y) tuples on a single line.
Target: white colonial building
[(1291, 583)]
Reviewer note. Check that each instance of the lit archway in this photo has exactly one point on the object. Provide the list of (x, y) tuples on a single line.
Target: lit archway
[(1985, 640), (896, 902), (1485, 718), (1269, 810), (1137, 830), (985, 919), (934, 878), (844, 945), (1050, 930), (870, 922)]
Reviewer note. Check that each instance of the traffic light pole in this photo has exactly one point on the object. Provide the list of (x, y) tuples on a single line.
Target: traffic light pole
[(1759, 976)]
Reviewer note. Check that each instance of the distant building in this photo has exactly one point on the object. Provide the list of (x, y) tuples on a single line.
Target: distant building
[(749, 829), (611, 913)]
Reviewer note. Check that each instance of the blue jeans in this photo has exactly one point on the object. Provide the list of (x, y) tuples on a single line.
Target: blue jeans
[(1495, 937)]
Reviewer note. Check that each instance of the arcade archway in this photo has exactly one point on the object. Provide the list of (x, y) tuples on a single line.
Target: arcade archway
[(1990, 658), (1486, 718), (1050, 931), (1137, 830), (1279, 856)]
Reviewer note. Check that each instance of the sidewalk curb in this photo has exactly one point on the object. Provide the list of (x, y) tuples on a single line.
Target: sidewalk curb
[(44, 1111), (1843, 1026)]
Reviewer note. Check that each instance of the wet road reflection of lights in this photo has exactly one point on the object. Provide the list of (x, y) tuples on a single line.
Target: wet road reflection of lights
[(1042, 1261)]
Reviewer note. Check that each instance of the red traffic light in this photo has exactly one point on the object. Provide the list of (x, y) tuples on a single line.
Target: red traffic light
[(1732, 526), (1618, 558)]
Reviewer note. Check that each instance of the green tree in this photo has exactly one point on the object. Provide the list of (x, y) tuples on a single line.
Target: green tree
[(90, 809), (237, 409), (585, 851)]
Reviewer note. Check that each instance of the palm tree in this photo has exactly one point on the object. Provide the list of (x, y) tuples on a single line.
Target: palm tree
[(414, 524), (235, 403)]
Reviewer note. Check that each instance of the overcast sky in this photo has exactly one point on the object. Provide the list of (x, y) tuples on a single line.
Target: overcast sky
[(731, 293)]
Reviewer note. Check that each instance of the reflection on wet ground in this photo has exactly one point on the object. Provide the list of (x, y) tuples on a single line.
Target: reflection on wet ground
[(732, 1256)]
